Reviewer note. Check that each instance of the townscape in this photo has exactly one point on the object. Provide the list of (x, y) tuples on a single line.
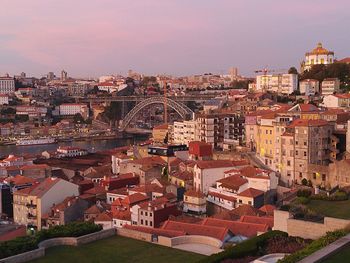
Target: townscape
[(211, 167)]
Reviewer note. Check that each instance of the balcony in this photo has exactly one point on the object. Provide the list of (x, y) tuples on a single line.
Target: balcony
[(31, 216), (31, 205)]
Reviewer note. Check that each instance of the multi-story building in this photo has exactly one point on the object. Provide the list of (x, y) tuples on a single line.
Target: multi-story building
[(7, 85), (330, 86), (184, 132), (222, 130), (70, 109), (206, 173), (278, 83), (317, 56), (70, 151), (194, 202), (337, 101), (309, 87), (4, 99), (30, 204), (305, 142)]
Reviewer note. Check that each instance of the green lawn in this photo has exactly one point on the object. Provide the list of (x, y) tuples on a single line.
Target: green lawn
[(338, 209), (117, 249), (340, 257)]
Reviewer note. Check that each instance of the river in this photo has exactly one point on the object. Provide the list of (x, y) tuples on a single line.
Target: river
[(91, 145)]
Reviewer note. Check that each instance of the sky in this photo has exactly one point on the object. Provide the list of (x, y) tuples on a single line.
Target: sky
[(89, 38)]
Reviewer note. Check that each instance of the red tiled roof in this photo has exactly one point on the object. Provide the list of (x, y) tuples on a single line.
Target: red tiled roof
[(222, 196), (122, 215), (133, 199), (307, 123), (233, 182), (185, 175), (264, 220), (268, 209), (96, 190), (236, 227), (217, 232), (20, 180), (104, 217), (40, 189), (212, 164), (251, 192)]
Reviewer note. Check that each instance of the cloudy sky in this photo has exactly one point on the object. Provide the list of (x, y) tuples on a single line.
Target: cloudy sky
[(94, 37)]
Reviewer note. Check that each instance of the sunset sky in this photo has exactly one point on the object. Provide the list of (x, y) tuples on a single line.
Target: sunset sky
[(180, 37)]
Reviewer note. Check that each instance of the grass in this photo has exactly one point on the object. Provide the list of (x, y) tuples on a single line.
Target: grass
[(117, 249), (337, 209), (339, 257)]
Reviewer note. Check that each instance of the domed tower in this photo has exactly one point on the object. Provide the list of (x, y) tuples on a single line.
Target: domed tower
[(318, 55)]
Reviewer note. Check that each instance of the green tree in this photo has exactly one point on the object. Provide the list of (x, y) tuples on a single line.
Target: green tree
[(78, 118), (292, 70)]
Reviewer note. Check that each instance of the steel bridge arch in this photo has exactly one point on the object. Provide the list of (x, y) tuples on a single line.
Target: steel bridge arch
[(184, 111)]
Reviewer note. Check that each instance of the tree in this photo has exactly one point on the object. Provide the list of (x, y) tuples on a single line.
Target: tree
[(292, 70), (78, 118)]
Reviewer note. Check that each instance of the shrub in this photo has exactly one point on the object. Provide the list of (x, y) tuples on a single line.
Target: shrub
[(304, 181), (27, 243), (304, 193), (337, 196), (302, 200), (250, 247), (314, 246)]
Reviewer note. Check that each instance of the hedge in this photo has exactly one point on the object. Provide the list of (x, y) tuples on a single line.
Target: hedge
[(27, 243), (314, 246), (250, 247), (337, 196)]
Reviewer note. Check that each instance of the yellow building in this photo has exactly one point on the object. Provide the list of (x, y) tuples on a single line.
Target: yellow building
[(30, 204), (160, 133)]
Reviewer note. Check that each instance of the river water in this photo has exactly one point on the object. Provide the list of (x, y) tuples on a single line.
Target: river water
[(91, 145)]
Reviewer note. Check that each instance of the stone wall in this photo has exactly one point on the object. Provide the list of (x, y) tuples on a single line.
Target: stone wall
[(24, 257), (190, 239), (70, 241), (134, 234), (310, 230)]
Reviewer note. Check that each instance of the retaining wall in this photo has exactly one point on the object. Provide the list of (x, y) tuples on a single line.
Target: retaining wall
[(134, 234), (60, 241), (309, 230)]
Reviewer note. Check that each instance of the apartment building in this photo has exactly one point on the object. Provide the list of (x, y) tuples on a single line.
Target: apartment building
[(337, 101), (7, 85), (305, 142), (4, 99), (309, 87), (278, 83), (330, 86), (70, 109), (30, 204)]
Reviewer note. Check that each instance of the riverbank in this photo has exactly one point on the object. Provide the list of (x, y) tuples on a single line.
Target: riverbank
[(93, 144)]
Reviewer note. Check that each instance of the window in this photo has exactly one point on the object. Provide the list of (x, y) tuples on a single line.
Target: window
[(296, 142), (141, 221), (150, 223), (270, 131), (146, 222), (249, 202), (323, 177), (305, 143), (240, 201), (288, 163), (141, 213), (304, 153), (296, 153), (146, 214), (150, 213), (267, 132)]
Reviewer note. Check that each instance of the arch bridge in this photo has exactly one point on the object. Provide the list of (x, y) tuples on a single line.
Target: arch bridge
[(184, 111)]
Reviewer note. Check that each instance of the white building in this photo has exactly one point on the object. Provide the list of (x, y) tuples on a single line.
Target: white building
[(7, 85), (109, 87), (329, 86), (337, 101), (70, 109), (119, 162), (278, 83), (4, 99), (184, 132), (309, 87), (206, 173), (68, 151), (318, 55)]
